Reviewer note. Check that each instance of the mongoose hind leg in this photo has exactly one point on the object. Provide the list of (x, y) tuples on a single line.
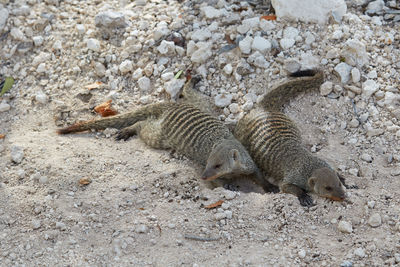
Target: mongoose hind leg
[(149, 131), (305, 199)]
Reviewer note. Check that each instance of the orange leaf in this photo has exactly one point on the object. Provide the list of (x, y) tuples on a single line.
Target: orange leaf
[(105, 109), (93, 85), (214, 205), (2, 136), (85, 181), (269, 17)]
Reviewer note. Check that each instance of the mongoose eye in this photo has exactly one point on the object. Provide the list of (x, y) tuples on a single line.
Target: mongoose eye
[(217, 166), (328, 188)]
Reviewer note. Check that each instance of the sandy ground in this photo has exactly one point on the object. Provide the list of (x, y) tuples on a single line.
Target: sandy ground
[(146, 207)]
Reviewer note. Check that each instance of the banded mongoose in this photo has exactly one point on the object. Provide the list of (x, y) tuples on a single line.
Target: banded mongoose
[(274, 143), (186, 129)]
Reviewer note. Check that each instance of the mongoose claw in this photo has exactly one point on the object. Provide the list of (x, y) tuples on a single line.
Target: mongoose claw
[(231, 187), (271, 189), (122, 135), (306, 200)]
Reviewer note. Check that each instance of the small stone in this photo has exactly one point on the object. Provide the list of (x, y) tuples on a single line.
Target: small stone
[(41, 68), (137, 74), (166, 47), (371, 204), (369, 87), (3, 18), (17, 154), (375, 7), (41, 97), (80, 28), (397, 257), (366, 157), (144, 84), (375, 220), (37, 40), (99, 69), (355, 53), (69, 83), (258, 60), (354, 123), (234, 108), (110, 19), (228, 69), (17, 34), (202, 53), (343, 70), (4, 106), (36, 224), (345, 227), (228, 214), (372, 74), (223, 100), (287, 43), (43, 179), (346, 264), (302, 253), (290, 33), (245, 44), (292, 65), (167, 76), (354, 89), (359, 252), (145, 100), (61, 226), (210, 12), (219, 216), (201, 34), (326, 88), (125, 66), (355, 75), (229, 194), (142, 229), (93, 44), (173, 87), (261, 44)]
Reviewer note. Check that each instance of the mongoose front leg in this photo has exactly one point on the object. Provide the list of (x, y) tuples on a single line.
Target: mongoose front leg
[(127, 132), (262, 181), (304, 198)]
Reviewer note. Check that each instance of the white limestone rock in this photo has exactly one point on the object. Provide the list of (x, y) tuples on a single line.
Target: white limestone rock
[(369, 87), (210, 12), (343, 70), (345, 227), (110, 19), (245, 45), (125, 66), (223, 100), (201, 34), (309, 10), (173, 87), (355, 53), (261, 44), (202, 53), (93, 44), (3, 18), (166, 47), (287, 43)]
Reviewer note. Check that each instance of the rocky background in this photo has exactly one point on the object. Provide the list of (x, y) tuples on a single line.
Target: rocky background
[(88, 200)]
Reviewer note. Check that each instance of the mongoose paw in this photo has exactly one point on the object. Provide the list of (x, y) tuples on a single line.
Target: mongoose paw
[(231, 187), (123, 135), (351, 186), (271, 189), (306, 200)]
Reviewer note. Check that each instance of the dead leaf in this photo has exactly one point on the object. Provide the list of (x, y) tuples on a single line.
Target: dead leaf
[(93, 85), (2, 136), (269, 17), (105, 109), (214, 205), (85, 181), (228, 39)]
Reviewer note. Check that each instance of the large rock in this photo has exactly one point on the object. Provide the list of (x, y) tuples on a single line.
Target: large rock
[(309, 10), (355, 53)]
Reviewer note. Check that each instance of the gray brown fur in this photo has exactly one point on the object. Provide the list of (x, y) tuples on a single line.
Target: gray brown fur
[(186, 129), (275, 144)]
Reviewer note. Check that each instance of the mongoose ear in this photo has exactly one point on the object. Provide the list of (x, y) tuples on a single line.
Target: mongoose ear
[(235, 154), (311, 182)]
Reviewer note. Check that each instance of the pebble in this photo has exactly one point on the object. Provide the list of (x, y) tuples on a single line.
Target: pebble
[(355, 75), (234, 108), (167, 76), (144, 84), (3, 18), (166, 47), (99, 69), (343, 70), (4, 106), (43, 179), (345, 227), (354, 123), (326, 88), (17, 154), (202, 53), (93, 44), (287, 43), (210, 12), (142, 229), (219, 216), (125, 66), (346, 264), (245, 45), (37, 40), (229, 194), (369, 87), (375, 220), (261, 44), (110, 19), (174, 87), (61, 226), (228, 69), (17, 34), (359, 252), (80, 28), (355, 53), (366, 157), (201, 34), (371, 204), (41, 97), (302, 253), (36, 224), (223, 100), (137, 74)]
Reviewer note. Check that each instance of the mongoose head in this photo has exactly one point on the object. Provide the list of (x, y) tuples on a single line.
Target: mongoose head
[(228, 158), (326, 183)]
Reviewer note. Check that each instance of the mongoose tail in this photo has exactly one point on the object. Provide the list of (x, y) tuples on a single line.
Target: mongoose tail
[(118, 121), (282, 93)]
